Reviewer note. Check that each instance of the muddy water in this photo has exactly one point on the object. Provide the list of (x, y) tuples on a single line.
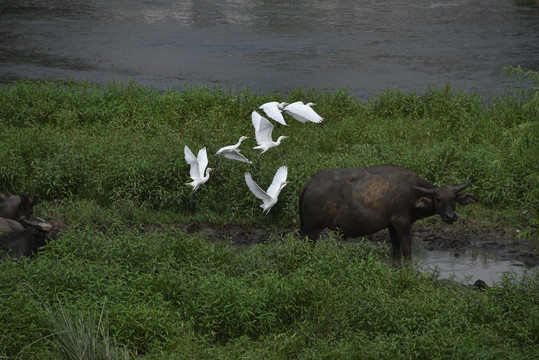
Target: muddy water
[(365, 46), (467, 266), (461, 255)]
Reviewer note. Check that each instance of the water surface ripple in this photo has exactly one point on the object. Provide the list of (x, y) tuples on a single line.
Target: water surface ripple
[(267, 45)]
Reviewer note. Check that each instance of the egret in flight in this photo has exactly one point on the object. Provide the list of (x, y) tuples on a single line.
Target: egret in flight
[(263, 130), (233, 152), (273, 110), (198, 165), (268, 197), (303, 112)]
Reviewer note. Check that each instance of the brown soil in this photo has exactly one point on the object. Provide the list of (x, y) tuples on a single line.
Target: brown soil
[(504, 243)]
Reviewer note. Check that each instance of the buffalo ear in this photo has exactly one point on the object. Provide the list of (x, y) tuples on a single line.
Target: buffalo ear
[(423, 203), (465, 199)]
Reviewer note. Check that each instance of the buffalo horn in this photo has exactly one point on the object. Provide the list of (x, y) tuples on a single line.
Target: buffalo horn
[(463, 186), (42, 225), (424, 190)]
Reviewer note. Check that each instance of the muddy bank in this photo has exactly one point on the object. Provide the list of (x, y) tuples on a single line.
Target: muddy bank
[(503, 243)]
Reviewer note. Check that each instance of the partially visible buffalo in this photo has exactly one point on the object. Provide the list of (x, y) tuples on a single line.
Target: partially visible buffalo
[(17, 240), (8, 226), (361, 201), (17, 207)]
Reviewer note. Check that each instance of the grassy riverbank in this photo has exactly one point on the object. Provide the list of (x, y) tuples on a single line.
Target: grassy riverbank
[(121, 148), (109, 160)]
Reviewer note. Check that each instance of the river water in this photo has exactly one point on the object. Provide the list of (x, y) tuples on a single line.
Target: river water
[(365, 46), (272, 45)]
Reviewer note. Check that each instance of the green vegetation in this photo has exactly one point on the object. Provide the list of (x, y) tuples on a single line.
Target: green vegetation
[(120, 148), (174, 296), (110, 160)]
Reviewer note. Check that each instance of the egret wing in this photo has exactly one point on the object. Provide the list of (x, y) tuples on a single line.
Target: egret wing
[(255, 189), (224, 150), (236, 155), (302, 112), (278, 179), (190, 158), (263, 128), (311, 115), (294, 110), (202, 159), (272, 110)]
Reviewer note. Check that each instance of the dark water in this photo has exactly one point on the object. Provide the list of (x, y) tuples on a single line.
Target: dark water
[(468, 266), (365, 46)]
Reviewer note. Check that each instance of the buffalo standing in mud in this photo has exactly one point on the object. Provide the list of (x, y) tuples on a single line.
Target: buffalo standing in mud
[(361, 201)]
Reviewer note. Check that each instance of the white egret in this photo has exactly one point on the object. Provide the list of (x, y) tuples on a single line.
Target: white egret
[(198, 165), (269, 197), (232, 151), (263, 130), (303, 112), (273, 110)]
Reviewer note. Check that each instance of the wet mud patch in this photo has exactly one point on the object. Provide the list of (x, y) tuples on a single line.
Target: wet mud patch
[(455, 253), (238, 235), (503, 244)]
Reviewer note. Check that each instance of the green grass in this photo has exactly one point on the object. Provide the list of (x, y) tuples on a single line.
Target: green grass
[(171, 295), (121, 146), (108, 160)]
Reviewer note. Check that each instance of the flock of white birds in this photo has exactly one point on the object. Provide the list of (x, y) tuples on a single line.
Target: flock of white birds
[(200, 172)]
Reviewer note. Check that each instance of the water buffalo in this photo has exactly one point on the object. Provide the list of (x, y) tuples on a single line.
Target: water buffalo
[(361, 201), (17, 207), (17, 240), (8, 226)]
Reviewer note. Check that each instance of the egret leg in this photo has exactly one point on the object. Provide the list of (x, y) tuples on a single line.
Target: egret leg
[(258, 163)]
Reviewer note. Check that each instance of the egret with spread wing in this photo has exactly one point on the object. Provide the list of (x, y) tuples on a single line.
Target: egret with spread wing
[(263, 130), (269, 197), (198, 165), (233, 151), (303, 112), (273, 110)]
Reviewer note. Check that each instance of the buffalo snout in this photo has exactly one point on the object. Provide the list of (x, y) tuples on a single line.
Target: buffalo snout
[(449, 218)]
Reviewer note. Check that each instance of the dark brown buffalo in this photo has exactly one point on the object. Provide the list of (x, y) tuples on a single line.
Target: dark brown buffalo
[(8, 226), (17, 240), (17, 207), (361, 201)]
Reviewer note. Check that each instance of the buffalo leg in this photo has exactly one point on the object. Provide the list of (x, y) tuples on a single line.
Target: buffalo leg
[(406, 244), (395, 243), (312, 234), (401, 239)]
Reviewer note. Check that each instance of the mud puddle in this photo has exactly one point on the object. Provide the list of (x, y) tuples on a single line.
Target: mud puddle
[(467, 266), (461, 255)]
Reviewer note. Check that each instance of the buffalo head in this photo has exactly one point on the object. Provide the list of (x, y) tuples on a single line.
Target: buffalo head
[(442, 200)]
